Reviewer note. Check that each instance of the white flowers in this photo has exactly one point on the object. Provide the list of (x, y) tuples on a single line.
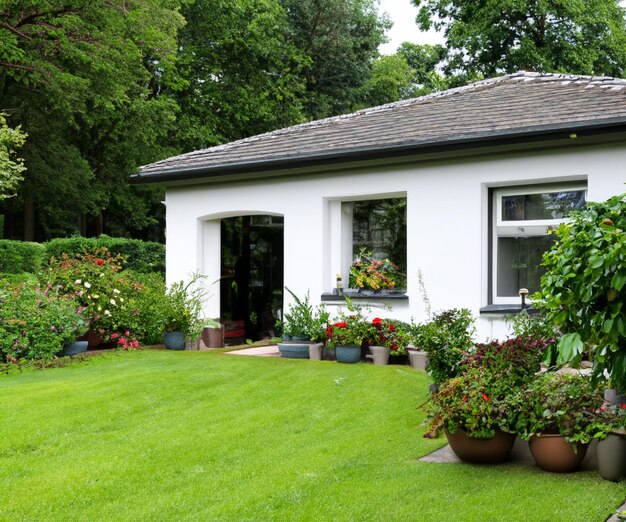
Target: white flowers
[(116, 291), (87, 284), (112, 301), (107, 313), (77, 282)]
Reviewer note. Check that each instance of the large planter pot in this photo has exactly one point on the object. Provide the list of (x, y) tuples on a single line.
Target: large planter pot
[(316, 351), (294, 350), (174, 340), (75, 348), (329, 353), (348, 354), (481, 451), (553, 453), (418, 359), (611, 454), (213, 337), (380, 355)]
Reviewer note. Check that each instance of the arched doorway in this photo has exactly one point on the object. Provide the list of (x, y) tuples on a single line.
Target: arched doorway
[(251, 283)]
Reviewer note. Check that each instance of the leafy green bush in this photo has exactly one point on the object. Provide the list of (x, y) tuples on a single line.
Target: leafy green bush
[(37, 323), (446, 338), (583, 291), (141, 256), (20, 256), (182, 306)]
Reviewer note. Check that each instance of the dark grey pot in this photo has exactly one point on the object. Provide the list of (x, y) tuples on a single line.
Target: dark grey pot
[(293, 350), (611, 455)]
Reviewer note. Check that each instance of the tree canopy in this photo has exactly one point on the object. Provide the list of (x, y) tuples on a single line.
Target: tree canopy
[(11, 168), (491, 38)]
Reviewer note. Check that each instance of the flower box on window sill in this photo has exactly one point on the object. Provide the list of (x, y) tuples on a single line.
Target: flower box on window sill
[(354, 293)]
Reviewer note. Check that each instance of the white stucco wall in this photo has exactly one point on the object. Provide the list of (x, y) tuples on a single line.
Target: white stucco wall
[(447, 223)]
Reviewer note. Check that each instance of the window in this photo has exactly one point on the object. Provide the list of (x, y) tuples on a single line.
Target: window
[(522, 218), (378, 232)]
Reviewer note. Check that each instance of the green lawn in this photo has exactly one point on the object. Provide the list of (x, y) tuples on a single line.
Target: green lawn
[(159, 435)]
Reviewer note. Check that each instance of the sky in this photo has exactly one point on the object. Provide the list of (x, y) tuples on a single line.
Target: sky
[(403, 13)]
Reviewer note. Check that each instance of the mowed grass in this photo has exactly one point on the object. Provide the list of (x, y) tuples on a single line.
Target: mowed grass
[(159, 435)]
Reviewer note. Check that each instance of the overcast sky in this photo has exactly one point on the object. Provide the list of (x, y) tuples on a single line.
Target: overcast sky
[(403, 13)]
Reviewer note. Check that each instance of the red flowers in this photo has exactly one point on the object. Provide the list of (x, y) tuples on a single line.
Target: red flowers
[(485, 396), (377, 321), (622, 406), (99, 262), (341, 324)]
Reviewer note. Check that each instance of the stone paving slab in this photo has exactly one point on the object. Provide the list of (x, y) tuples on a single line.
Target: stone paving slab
[(259, 351)]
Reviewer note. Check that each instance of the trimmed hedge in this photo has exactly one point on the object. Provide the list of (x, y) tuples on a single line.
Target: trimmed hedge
[(21, 256)]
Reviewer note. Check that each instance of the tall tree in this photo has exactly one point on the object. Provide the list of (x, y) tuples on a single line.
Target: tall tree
[(243, 76), (78, 75), (341, 40), (11, 167), (491, 38)]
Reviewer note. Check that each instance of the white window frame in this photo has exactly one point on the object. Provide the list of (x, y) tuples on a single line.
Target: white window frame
[(521, 228)]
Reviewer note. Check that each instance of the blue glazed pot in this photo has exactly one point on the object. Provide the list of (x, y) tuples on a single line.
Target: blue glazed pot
[(348, 354), (293, 350), (75, 348), (174, 340)]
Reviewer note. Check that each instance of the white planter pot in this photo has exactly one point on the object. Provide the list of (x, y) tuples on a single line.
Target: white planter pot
[(380, 355), (418, 359)]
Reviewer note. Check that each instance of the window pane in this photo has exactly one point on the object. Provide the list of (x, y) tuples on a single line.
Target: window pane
[(550, 205), (379, 229), (519, 263)]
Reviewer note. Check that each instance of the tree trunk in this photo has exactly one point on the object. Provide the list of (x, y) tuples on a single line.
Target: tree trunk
[(29, 216)]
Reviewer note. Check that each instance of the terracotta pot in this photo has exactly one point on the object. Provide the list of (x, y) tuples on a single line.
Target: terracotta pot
[(481, 451), (213, 337), (553, 453)]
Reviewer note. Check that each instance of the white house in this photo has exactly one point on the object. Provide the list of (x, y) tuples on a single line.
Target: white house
[(486, 170)]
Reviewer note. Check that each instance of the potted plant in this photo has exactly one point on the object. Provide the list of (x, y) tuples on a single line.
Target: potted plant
[(212, 333), (472, 411), (474, 408), (367, 273), (611, 450), (181, 314), (349, 332), (558, 416), (446, 338), (304, 329)]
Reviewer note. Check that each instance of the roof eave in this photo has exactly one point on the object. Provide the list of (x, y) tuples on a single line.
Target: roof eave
[(559, 131)]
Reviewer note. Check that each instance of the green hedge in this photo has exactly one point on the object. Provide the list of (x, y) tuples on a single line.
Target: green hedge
[(142, 256), (21, 256)]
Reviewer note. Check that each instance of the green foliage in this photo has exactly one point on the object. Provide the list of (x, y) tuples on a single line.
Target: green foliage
[(139, 256), (11, 168), (87, 82), (474, 402), (305, 320), (181, 309), (567, 404), (446, 338), (350, 327), (391, 79), (37, 323), (490, 38), (20, 256), (340, 40), (583, 291), (478, 400), (374, 274)]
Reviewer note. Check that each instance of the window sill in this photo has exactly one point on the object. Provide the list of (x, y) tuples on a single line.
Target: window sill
[(507, 309), (366, 294)]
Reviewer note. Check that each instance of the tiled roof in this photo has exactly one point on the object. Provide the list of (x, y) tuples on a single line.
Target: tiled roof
[(519, 104)]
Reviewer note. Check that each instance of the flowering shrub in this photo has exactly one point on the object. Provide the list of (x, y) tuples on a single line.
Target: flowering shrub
[(475, 402), (386, 333), (351, 328), (37, 322), (373, 274), (567, 404), (515, 359)]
